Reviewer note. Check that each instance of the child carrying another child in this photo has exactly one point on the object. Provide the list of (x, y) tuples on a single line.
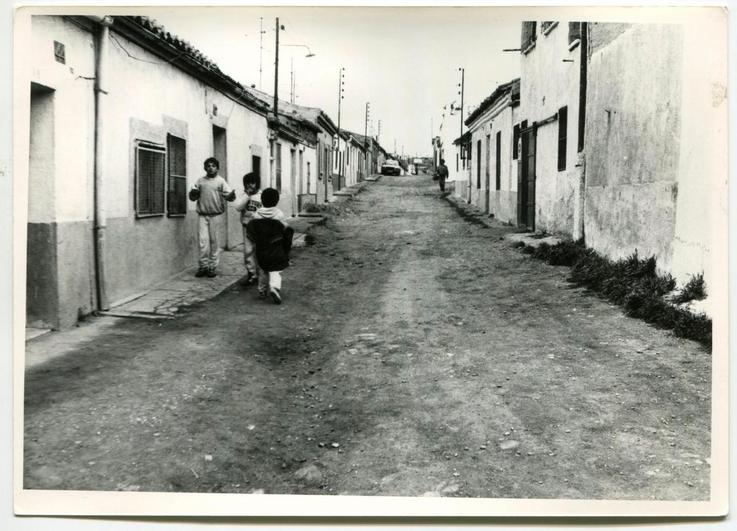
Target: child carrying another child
[(247, 205), (272, 237)]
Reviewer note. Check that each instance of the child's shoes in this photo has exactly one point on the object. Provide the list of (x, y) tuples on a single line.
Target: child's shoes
[(276, 296)]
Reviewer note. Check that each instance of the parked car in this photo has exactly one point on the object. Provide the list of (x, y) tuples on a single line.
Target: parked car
[(391, 167)]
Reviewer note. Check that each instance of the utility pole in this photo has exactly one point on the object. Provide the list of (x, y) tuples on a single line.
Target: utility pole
[(260, 49), (378, 135), (461, 92), (291, 82), (365, 138), (276, 74), (341, 90)]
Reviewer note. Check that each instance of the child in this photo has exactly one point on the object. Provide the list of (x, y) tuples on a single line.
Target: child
[(273, 240), (210, 192), (247, 205)]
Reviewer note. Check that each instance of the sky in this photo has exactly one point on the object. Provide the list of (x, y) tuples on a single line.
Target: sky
[(404, 61)]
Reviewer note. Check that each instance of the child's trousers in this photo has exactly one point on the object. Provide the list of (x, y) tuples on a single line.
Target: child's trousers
[(268, 279), (210, 248), (249, 254)]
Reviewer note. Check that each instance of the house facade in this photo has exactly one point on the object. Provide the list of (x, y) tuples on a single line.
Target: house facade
[(444, 147), (494, 132), (108, 172), (293, 147), (656, 142), (550, 175)]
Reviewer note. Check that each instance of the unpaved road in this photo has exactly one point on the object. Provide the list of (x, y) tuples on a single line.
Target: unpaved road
[(416, 353)]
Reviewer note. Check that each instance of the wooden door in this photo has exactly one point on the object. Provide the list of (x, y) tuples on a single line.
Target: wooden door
[(526, 178), (488, 174)]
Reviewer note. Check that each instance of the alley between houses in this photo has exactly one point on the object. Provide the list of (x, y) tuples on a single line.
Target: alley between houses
[(416, 353)]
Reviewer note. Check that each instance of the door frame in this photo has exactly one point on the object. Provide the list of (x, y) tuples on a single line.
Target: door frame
[(526, 177)]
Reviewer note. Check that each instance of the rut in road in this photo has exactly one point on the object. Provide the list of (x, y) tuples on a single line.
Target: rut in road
[(416, 353)]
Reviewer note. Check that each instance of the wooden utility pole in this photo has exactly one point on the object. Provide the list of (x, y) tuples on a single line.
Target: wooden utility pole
[(276, 74)]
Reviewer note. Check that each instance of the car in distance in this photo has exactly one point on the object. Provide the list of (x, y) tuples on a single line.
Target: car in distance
[(391, 167)]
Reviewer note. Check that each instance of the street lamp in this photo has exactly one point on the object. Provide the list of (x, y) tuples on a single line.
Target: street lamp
[(293, 85), (309, 52)]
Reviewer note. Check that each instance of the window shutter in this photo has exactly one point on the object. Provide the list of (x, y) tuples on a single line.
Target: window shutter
[(499, 160), (177, 196), (562, 137), (149, 180), (546, 24), (574, 31), (528, 34)]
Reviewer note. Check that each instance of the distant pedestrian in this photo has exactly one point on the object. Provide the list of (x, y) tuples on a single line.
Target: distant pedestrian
[(210, 192), (247, 205), (442, 174), (273, 240)]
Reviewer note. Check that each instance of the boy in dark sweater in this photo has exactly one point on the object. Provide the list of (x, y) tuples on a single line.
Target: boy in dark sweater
[(271, 235)]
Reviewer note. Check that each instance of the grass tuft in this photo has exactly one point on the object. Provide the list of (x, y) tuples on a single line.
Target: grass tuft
[(632, 283), (694, 290)]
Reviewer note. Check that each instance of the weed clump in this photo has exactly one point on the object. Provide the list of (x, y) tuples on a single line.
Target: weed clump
[(694, 290), (632, 283)]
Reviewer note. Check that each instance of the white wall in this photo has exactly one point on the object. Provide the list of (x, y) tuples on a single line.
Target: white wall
[(656, 151), (547, 84), (69, 197)]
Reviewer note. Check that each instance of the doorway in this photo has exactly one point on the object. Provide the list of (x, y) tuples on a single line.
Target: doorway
[(488, 174), (220, 152), (42, 282), (526, 177)]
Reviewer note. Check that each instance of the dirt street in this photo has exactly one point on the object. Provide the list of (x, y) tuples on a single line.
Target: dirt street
[(416, 353)]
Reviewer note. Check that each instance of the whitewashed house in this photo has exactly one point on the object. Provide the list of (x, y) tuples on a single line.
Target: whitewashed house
[(494, 132), (550, 184), (123, 114), (656, 144), (293, 147)]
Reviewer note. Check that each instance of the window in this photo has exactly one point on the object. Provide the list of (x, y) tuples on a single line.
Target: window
[(515, 142), (271, 162), (457, 167), (278, 167), (309, 177), (150, 160), (478, 164), (574, 32), (60, 52), (177, 185), (256, 167), (499, 160), (562, 137), (301, 169), (529, 35), (547, 26)]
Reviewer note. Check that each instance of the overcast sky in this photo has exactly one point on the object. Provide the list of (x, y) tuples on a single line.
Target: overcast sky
[(404, 61)]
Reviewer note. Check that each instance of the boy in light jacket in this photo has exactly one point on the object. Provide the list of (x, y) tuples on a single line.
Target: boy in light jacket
[(210, 192)]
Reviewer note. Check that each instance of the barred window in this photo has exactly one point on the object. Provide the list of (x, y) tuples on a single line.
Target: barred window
[(529, 34), (177, 192), (150, 174)]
